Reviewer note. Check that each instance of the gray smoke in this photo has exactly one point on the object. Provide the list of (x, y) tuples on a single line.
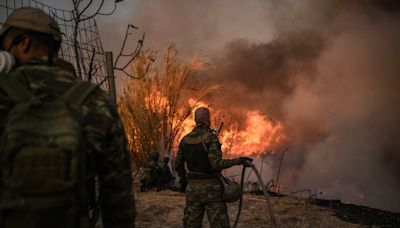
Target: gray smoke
[(328, 69), (354, 99)]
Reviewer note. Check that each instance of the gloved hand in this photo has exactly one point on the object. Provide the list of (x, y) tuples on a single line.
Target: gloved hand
[(183, 183), (246, 161)]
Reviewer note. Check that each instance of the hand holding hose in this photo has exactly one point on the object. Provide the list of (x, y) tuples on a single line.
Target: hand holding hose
[(245, 161)]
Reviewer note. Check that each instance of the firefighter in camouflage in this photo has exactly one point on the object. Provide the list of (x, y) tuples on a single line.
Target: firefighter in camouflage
[(201, 151), (34, 38)]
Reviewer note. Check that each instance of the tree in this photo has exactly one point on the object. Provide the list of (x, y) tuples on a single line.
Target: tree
[(84, 10), (154, 108)]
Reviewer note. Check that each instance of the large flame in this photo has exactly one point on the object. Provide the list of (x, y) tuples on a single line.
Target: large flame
[(260, 135)]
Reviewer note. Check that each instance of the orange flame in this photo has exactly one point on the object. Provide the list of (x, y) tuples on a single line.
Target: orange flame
[(259, 136)]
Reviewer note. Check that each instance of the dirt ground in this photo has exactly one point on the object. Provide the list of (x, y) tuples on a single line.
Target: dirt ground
[(165, 209)]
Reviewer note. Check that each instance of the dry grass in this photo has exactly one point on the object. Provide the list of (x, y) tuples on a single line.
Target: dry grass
[(165, 209)]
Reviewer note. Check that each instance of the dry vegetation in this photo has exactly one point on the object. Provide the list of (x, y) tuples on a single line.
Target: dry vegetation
[(165, 209), (153, 109)]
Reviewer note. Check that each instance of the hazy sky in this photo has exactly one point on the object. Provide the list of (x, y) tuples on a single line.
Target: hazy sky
[(197, 27)]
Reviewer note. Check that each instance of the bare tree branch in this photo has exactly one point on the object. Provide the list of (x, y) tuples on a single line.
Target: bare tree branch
[(137, 77), (78, 16), (94, 14), (91, 65), (124, 43), (112, 11), (132, 55), (60, 18), (85, 8)]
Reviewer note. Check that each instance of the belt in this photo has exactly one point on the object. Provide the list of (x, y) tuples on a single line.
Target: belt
[(205, 181)]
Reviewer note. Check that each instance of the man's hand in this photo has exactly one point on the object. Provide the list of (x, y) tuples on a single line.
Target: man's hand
[(246, 161), (183, 183)]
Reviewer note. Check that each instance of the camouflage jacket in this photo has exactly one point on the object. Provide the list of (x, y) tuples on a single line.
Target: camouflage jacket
[(103, 132), (212, 148)]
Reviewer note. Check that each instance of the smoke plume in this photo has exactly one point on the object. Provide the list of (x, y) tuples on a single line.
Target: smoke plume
[(334, 84), (328, 70)]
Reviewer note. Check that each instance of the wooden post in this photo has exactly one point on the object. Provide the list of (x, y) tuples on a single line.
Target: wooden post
[(110, 76)]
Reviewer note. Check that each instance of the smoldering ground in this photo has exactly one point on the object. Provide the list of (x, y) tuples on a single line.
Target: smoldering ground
[(328, 70)]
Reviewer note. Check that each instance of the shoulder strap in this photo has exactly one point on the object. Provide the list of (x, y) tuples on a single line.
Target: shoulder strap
[(14, 88), (198, 139), (77, 94)]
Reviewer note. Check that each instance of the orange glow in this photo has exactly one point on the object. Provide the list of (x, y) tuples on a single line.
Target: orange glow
[(259, 135), (156, 101)]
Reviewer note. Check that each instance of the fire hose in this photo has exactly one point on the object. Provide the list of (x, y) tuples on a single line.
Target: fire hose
[(264, 189)]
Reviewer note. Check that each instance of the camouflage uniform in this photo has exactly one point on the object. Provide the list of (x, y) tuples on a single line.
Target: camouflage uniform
[(150, 174), (201, 150), (104, 136)]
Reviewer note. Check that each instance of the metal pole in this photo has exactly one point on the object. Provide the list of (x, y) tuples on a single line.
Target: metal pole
[(110, 76), (265, 191), (279, 171)]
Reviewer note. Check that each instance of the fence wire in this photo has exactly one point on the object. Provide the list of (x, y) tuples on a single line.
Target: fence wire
[(88, 38)]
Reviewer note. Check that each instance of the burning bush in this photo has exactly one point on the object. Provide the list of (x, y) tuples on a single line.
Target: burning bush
[(154, 108)]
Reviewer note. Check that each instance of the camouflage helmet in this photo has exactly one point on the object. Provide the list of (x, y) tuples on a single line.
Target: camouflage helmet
[(232, 191), (32, 19)]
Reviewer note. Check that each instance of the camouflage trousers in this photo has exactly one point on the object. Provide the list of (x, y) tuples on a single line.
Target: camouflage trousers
[(200, 198)]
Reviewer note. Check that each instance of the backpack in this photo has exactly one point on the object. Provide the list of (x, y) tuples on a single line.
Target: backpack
[(42, 158)]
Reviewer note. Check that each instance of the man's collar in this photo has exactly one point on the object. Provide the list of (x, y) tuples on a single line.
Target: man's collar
[(202, 126), (42, 60)]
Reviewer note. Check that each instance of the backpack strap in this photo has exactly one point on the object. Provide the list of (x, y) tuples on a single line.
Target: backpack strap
[(199, 139), (14, 89), (77, 94)]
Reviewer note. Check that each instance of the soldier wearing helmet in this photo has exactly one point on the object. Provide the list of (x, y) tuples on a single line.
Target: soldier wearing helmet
[(201, 151), (150, 174), (33, 39), (28, 32)]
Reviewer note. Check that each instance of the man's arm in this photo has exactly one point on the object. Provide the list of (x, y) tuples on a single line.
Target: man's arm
[(180, 162), (112, 161), (215, 156)]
